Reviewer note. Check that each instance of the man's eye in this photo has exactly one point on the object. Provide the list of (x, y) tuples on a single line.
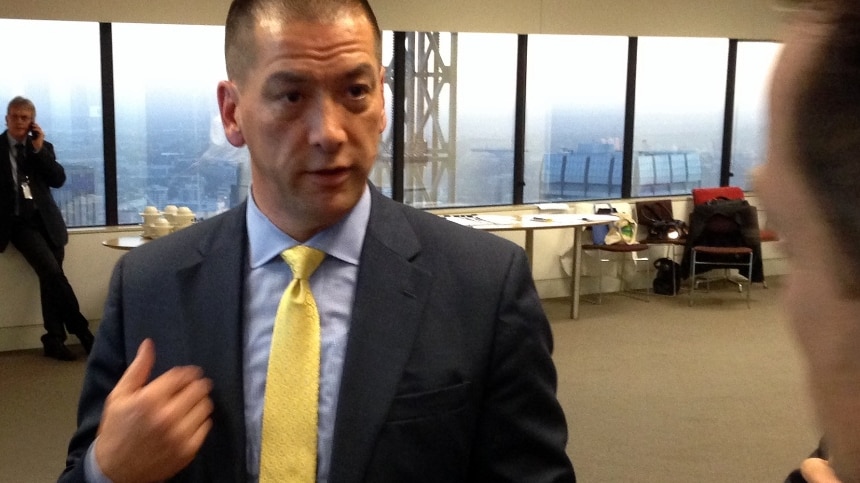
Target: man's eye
[(292, 96), (358, 91)]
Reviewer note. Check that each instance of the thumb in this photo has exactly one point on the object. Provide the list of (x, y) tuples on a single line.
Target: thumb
[(137, 373)]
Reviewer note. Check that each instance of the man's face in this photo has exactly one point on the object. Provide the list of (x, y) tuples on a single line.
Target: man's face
[(825, 322), (18, 121), (311, 111)]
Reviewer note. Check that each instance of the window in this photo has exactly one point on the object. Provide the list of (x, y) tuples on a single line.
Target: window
[(460, 104), (380, 176), (460, 99), (680, 103), (575, 99), (749, 133), (171, 147), (57, 66)]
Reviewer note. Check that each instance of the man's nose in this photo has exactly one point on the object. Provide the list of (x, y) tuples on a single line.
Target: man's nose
[(327, 128)]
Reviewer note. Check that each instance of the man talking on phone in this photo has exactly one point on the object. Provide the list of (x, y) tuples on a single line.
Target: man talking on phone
[(32, 222)]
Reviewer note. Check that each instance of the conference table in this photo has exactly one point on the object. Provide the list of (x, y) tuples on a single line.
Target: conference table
[(529, 224), (125, 242)]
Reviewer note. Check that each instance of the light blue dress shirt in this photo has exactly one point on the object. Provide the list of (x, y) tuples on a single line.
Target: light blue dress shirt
[(267, 276), (333, 286)]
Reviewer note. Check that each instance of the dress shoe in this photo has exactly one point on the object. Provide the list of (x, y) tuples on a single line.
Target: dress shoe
[(87, 339), (56, 349)]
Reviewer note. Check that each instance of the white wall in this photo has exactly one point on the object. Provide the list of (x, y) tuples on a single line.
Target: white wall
[(88, 265), (744, 19)]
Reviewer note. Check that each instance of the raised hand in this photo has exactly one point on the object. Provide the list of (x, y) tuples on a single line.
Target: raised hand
[(37, 137), (150, 431), (816, 470)]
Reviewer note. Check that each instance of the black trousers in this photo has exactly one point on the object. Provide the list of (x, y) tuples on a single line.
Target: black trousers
[(60, 309)]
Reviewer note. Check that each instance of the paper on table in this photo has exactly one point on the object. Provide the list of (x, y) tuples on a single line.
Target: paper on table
[(482, 220), (499, 219), (596, 217), (563, 217), (552, 206)]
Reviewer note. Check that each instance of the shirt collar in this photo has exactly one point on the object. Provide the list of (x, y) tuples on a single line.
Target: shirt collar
[(342, 240), (13, 142)]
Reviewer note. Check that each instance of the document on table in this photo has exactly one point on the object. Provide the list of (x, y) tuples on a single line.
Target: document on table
[(482, 220), (567, 218), (559, 207), (597, 217), (485, 220)]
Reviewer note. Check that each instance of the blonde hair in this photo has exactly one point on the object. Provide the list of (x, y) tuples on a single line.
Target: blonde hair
[(22, 102)]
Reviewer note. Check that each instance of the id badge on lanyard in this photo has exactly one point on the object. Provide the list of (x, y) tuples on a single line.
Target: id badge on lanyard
[(25, 188)]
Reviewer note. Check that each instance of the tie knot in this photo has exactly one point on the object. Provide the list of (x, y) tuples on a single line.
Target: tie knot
[(303, 260), (19, 148)]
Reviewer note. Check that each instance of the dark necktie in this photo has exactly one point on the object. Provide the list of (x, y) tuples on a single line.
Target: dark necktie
[(19, 160), (23, 206)]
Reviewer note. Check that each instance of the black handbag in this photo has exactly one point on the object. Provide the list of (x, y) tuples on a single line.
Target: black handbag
[(668, 279), (657, 217)]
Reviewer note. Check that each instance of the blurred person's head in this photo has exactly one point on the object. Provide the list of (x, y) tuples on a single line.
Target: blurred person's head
[(20, 113), (305, 94), (810, 185)]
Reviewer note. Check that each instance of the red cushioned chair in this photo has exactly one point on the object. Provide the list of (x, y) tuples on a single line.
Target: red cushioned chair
[(721, 226), (704, 195)]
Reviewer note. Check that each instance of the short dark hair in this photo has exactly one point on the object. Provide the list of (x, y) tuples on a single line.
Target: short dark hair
[(826, 130), (239, 47)]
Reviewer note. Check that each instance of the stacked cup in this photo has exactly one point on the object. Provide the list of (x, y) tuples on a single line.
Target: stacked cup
[(162, 227), (150, 215), (170, 213), (183, 217), (159, 223)]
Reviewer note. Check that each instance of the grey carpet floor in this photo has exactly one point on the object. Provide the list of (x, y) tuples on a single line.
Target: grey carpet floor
[(653, 391)]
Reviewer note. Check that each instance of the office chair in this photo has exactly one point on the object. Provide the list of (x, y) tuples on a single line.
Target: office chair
[(710, 194), (608, 253), (724, 234), (638, 253), (651, 213), (704, 195)]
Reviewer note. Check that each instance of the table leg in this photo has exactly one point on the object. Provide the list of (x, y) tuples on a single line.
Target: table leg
[(530, 243), (575, 271)]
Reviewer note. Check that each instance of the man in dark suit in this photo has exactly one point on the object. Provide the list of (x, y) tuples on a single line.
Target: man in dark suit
[(32, 222), (435, 357)]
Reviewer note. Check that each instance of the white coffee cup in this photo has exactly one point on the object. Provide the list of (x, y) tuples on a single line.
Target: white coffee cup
[(147, 230), (181, 220), (150, 218), (169, 212), (161, 227)]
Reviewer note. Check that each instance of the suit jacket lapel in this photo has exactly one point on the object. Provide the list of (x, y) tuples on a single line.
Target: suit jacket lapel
[(389, 298), (212, 283), (7, 186)]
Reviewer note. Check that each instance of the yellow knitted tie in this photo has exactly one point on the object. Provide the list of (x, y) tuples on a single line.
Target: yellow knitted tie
[(289, 448)]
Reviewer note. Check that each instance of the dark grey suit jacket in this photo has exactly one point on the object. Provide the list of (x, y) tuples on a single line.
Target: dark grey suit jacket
[(45, 173), (448, 375)]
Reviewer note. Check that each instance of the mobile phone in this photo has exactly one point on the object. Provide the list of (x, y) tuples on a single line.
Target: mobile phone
[(33, 134)]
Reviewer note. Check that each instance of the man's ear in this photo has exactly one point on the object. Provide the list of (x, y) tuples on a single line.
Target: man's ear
[(383, 116), (228, 101)]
